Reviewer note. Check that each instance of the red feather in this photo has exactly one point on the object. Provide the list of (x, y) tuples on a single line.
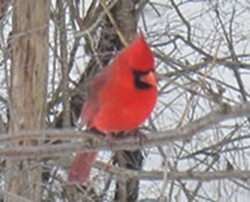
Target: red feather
[(114, 102)]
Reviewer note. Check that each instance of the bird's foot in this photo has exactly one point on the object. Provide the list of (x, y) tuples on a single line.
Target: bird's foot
[(142, 137)]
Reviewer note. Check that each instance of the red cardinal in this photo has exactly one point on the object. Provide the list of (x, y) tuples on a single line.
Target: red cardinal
[(121, 97)]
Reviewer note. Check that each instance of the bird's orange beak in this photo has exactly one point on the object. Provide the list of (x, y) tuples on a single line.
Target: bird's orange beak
[(149, 78)]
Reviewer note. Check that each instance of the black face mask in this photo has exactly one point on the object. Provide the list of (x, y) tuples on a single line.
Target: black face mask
[(137, 81)]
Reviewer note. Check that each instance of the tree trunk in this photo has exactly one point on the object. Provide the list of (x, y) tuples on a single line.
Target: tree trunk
[(28, 89), (127, 190)]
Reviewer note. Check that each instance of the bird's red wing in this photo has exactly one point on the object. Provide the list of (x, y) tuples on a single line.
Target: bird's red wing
[(91, 105)]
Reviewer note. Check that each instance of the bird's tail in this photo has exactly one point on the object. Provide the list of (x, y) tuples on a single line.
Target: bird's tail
[(80, 168)]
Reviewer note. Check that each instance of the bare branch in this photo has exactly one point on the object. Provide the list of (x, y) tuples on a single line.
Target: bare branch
[(173, 175), (86, 141)]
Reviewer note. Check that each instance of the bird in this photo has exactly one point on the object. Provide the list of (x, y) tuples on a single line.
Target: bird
[(120, 98)]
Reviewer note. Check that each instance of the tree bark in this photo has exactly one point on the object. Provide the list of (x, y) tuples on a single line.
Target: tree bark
[(28, 90), (127, 190)]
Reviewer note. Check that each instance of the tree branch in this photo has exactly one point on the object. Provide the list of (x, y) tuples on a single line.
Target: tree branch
[(83, 141), (172, 175)]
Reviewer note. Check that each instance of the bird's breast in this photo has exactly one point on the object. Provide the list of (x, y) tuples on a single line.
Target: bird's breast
[(124, 109)]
